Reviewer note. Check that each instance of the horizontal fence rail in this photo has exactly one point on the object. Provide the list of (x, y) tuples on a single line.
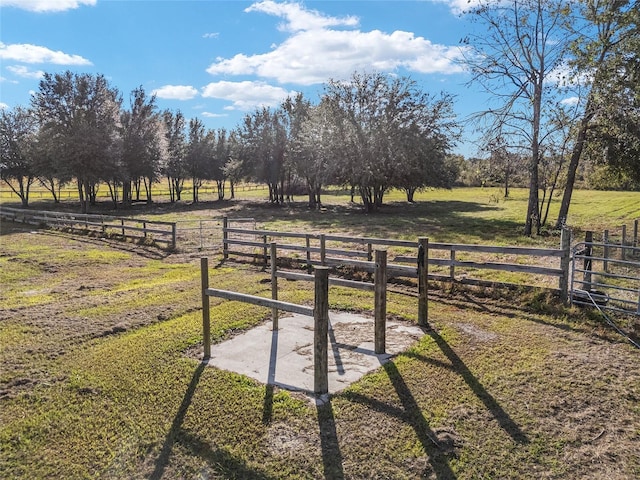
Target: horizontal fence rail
[(157, 231), (327, 249)]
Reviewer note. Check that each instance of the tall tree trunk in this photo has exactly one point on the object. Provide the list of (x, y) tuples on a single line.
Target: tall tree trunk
[(576, 153)]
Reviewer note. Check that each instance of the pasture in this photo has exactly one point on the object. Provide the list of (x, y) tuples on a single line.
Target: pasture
[(101, 377)]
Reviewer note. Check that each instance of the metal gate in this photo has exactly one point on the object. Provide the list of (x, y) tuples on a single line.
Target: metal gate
[(606, 276)]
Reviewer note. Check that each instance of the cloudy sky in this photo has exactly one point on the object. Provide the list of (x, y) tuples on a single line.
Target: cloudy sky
[(218, 60)]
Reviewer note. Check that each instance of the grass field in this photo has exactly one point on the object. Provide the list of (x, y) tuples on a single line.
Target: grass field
[(101, 379)]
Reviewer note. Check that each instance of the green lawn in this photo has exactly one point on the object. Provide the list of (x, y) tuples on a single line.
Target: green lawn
[(100, 378)]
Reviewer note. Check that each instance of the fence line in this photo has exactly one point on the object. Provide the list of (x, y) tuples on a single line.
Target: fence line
[(158, 231), (318, 254)]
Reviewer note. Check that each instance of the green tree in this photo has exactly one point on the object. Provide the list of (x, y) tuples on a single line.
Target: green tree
[(81, 112), (17, 136)]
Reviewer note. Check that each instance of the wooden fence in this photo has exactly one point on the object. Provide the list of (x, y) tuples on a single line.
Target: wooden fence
[(321, 249), (163, 233)]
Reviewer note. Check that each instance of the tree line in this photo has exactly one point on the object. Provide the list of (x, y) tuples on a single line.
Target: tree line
[(564, 78), (373, 133)]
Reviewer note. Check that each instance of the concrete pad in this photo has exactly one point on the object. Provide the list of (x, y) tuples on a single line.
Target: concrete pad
[(285, 357)]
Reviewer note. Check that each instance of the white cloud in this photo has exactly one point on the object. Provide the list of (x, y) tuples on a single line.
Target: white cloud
[(211, 35), (175, 92), (246, 95), (312, 57), (3, 106), (298, 18), (214, 115), (461, 6), (26, 53), (46, 5), (24, 72), (570, 101)]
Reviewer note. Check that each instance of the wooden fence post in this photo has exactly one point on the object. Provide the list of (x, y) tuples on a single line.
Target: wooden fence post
[(206, 320), (380, 295), (635, 232), (323, 253), (321, 332), (274, 283), (173, 236), (565, 262), (369, 252), (423, 277), (308, 245), (605, 255), (225, 238), (588, 251), (623, 242), (144, 229), (452, 267), (265, 251)]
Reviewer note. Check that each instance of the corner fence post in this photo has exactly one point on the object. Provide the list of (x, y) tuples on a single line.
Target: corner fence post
[(206, 320), (565, 261), (225, 238), (321, 332), (274, 283), (380, 294), (423, 277)]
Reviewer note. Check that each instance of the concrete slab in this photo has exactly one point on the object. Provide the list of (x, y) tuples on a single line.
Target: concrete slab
[(285, 357)]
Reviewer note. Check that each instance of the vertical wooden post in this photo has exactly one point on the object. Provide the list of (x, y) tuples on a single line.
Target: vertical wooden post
[(173, 235), (323, 253), (121, 223), (452, 266), (104, 229), (588, 251), (380, 295), (635, 232), (308, 245), (274, 283), (605, 255), (321, 332), (206, 320), (623, 242), (565, 261), (265, 252), (369, 252), (201, 237), (423, 276), (144, 229), (225, 238)]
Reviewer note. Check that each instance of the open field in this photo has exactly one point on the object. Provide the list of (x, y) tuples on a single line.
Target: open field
[(100, 376)]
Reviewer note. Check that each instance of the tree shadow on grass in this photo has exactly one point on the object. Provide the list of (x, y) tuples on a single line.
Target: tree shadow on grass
[(220, 460)]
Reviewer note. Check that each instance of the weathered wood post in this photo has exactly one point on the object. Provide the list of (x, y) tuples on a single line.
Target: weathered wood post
[(452, 266), (380, 295), (635, 232), (206, 320), (121, 223), (623, 242), (307, 238), (605, 255), (173, 235), (144, 229), (321, 332), (369, 252), (265, 251), (323, 252), (423, 276), (274, 283), (588, 250), (225, 238), (565, 262)]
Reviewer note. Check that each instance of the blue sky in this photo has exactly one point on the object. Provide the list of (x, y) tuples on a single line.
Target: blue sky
[(218, 60)]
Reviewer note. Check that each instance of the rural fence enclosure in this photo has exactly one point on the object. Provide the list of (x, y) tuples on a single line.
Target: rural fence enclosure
[(163, 233)]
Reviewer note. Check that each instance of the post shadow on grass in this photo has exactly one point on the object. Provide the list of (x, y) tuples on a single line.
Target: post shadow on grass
[(331, 455), (411, 413), (267, 409), (458, 366)]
